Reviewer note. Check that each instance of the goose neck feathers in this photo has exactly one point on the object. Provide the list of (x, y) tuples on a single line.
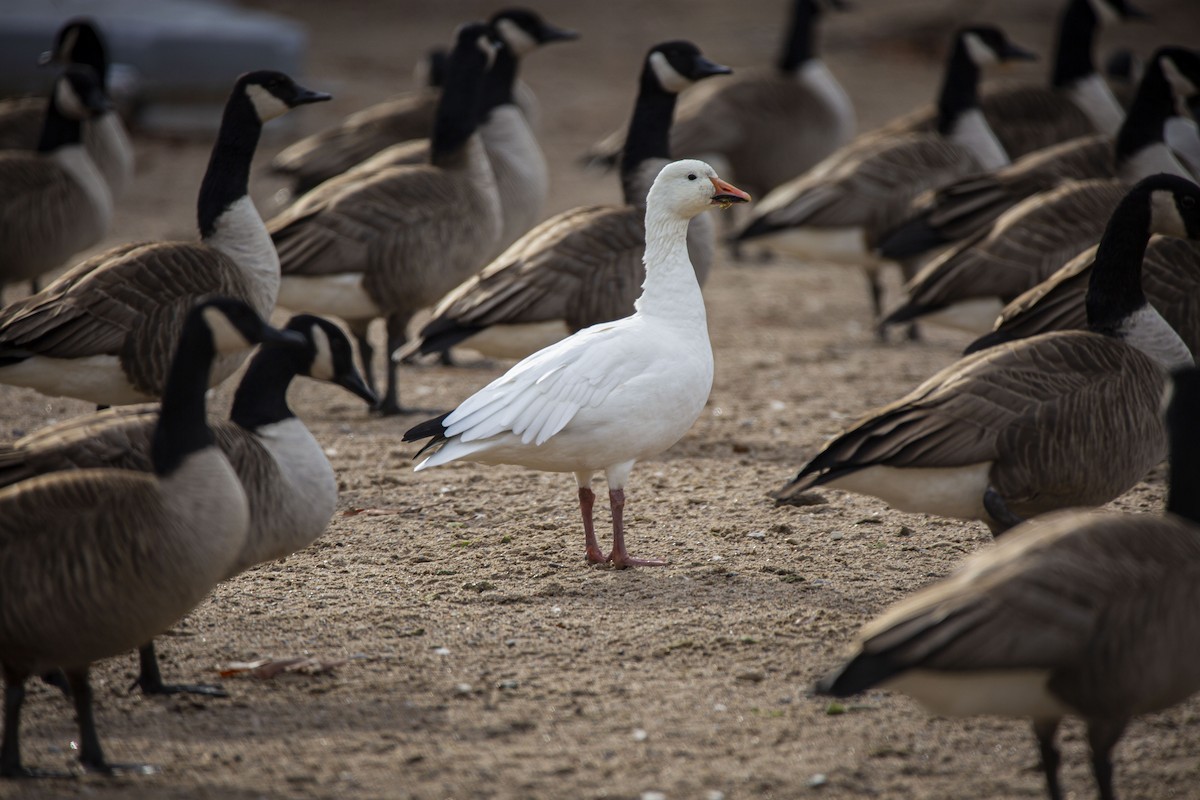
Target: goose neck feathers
[(798, 46), (960, 84), (498, 83), (1077, 29), (458, 109), (1155, 103), (75, 97), (227, 178)]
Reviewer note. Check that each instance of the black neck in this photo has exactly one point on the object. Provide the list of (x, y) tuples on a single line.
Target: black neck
[(798, 46), (1183, 431), (1152, 106), (227, 178), (649, 134), (960, 88), (261, 397), (498, 84), (1115, 286), (89, 50), (457, 116), (1076, 34), (58, 130), (182, 425)]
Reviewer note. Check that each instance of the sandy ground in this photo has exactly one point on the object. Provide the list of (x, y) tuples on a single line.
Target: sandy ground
[(483, 657)]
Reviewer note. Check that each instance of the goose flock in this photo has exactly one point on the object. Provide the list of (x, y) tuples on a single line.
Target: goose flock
[(1054, 224)]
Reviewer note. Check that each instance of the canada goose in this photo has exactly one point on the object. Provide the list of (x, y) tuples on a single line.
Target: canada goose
[(967, 285), (1062, 419), (612, 394), (315, 159), (1076, 103), (522, 176), (78, 42), (96, 562), (288, 480), (396, 242), (1170, 279), (766, 124), (967, 206), (838, 209), (53, 201), (1075, 614), (103, 331), (583, 266)]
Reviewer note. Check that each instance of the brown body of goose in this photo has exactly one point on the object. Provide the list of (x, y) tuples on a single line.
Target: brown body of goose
[(1061, 419), (583, 266), (1077, 614)]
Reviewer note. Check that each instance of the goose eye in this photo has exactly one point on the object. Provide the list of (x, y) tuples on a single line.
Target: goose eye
[(1187, 202), (692, 177)]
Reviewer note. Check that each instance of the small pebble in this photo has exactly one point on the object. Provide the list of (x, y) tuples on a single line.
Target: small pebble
[(509, 684), (836, 535), (640, 735), (462, 688), (757, 534), (817, 780), (751, 675), (441, 651), (510, 642), (720, 707), (714, 794), (653, 796)]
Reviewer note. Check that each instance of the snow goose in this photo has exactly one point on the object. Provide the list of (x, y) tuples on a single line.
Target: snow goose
[(316, 159), (766, 124), (53, 200), (395, 242), (612, 394), (1062, 419), (1076, 614), (522, 176), (95, 562), (965, 207), (838, 210), (289, 482), (967, 285), (104, 331), (582, 266), (78, 42)]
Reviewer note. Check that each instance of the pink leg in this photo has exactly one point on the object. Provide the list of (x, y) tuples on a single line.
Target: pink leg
[(586, 500), (619, 557)]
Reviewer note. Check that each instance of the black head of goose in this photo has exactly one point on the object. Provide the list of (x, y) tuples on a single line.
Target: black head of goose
[(996, 436), (582, 266), (396, 241), (1082, 614), (96, 562), (56, 201), (119, 312)]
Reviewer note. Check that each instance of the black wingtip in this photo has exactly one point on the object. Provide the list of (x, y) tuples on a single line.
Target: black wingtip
[(905, 313), (856, 676), (432, 429), (759, 227), (910, 239), (987, 340), (440, 335)]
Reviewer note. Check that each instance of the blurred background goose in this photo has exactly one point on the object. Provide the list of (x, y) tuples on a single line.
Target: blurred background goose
[(103, 332), (315, 159), (396, 242), (289, 483), (1074, 614), (583, 266), (78, 42), (763, 125), (96, 562), (838, 210), (1063, 419), (53, 200)]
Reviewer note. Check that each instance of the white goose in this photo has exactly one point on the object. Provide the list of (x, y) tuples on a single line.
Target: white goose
[(612, 394)]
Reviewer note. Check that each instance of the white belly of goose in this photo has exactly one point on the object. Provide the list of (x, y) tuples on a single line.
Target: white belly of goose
[(976, 316), (109, 145), (1008, 693), (945, 491), (834, 245), (98, 378), (518, 340), (340, 295)]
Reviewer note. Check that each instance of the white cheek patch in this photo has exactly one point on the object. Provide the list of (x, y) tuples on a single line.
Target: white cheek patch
[(1164, 215), (266, 105), (488, 48), (322, 364), (1182, 87), (1104, 12), (68, 102), (226, 337), (668, 77), (979, 51), (517, 38)]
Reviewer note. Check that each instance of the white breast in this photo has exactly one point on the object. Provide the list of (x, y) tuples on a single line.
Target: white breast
[(109, 146), (79, 165), (817, 77), (522, 177), (1152, 160), (1096, 100), (972, 132), (240, 234)]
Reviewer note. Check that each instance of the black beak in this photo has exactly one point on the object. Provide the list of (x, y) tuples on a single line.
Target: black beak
[(353, 382), (703, 68), (303, 96), (1013, 53), (550, 33)]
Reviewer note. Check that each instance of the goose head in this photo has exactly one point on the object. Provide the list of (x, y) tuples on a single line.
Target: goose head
[(273, 93), (1181, 67), (78, 93), (689, 187), (523, 31), (676, 65), (235, 326), (986, 45), (78, 42), (1174, 205), (331, 356)]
